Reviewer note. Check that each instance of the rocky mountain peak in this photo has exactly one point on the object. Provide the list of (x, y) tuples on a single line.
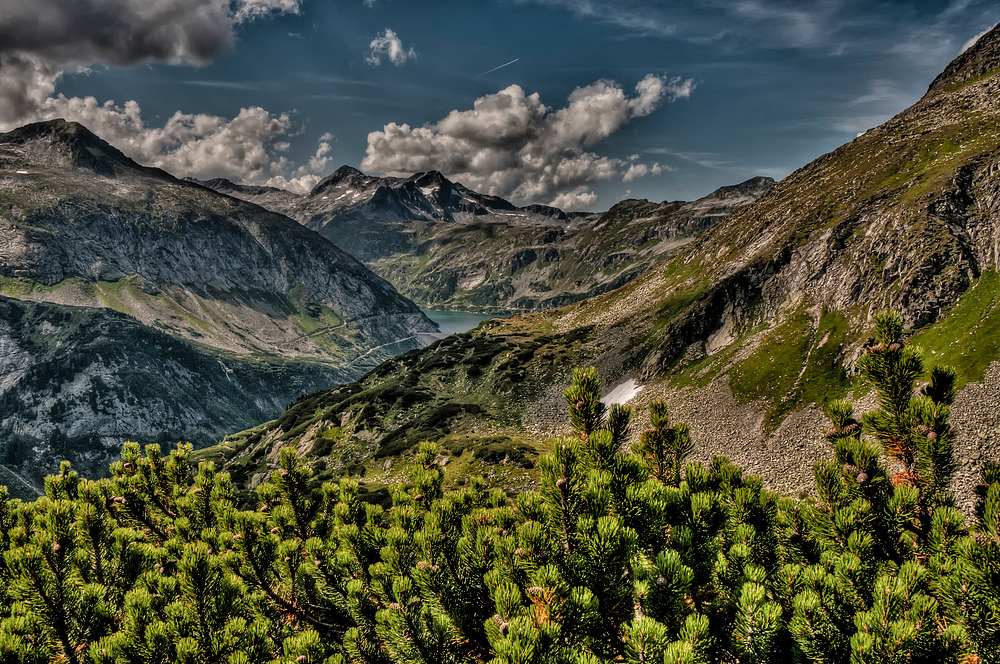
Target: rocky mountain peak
[(545, 210), (84, 148), (980, 59), (431, 179), (215, 183), (345, 173), (755, 186)]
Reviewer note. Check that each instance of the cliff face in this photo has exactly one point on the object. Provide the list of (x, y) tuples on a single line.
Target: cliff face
[(749, 329), (77, 382), (214, 313)]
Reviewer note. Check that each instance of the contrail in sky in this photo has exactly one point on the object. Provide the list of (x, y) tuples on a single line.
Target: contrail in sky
[(490, 71)]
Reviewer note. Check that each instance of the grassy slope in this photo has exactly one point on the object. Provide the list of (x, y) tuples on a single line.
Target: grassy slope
[(467, 391)]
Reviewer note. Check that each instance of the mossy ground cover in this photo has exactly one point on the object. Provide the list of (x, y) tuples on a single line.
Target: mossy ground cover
[(448, 392), (967, 335), (798, 362), (309, 315)]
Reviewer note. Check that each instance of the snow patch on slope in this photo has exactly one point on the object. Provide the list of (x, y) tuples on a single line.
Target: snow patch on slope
[(622, 393)]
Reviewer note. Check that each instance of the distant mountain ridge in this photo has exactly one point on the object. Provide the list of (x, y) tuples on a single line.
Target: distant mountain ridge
[(448, 247), (206, 257), (355, 210)]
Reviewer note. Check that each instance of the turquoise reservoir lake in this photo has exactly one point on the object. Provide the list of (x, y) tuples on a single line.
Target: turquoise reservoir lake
[(455, 322)]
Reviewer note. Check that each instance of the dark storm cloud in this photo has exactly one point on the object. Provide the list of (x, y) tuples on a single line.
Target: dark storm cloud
[(40, 39), (117, 32)]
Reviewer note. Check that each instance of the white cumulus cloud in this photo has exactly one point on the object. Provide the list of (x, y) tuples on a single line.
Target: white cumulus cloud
[(388, 45), (636, 171), (248, 10), (307, 176), (510, 144), (42, 39)]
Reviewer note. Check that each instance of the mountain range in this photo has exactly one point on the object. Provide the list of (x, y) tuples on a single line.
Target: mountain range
[(746, 331), (448, 247), (140, 306), (216, 293)]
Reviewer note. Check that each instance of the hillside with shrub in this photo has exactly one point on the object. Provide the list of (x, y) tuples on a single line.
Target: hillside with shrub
[(630, 556), (748, 331)]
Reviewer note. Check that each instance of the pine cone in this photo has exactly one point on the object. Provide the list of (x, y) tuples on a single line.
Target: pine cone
[(862, 478), (932, 436), (661, 580), (561, 482)]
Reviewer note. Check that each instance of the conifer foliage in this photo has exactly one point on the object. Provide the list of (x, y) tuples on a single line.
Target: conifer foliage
[(622, 555)]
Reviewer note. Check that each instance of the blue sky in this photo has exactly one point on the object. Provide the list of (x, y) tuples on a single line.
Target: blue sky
[(285, 91)]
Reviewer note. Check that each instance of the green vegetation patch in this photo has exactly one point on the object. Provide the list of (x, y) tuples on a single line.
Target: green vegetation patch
[(705, 369), (680, 298), (430, 425), (796, 364), (966, 336)]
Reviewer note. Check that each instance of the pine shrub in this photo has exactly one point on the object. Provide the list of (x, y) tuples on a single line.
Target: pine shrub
[(621, 555)]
